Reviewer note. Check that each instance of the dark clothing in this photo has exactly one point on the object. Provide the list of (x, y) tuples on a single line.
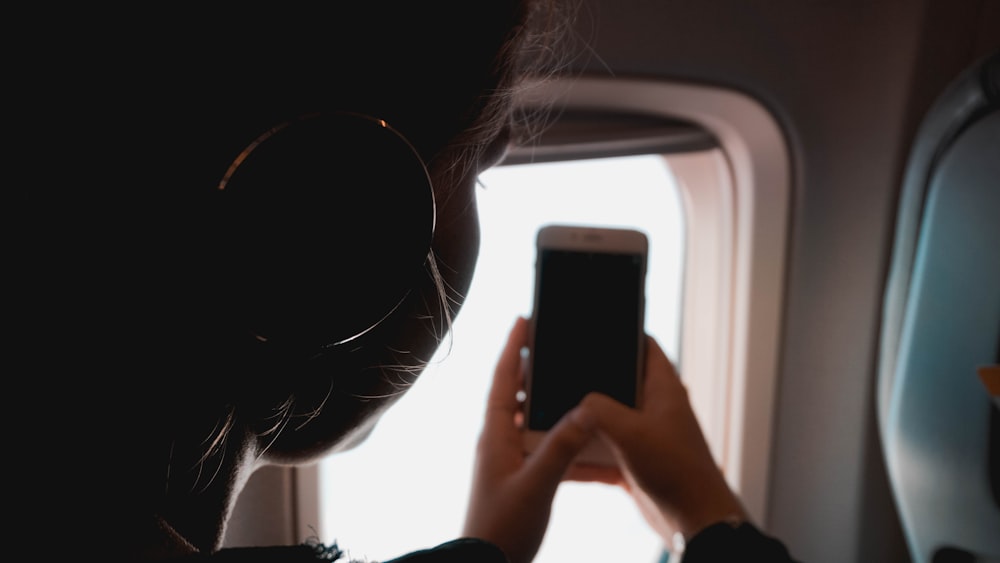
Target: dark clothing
[(463, 550), (466, 550), (724, 542), (719, 543)]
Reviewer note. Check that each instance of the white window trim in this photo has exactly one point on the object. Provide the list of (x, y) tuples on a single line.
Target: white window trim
[(735, 267), (735, 259)]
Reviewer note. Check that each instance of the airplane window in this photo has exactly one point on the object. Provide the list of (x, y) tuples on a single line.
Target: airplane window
[(406, 487)]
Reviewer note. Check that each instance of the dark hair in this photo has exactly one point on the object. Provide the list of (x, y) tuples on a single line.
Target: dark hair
[(452, 103), (125, 116), (167, 94)]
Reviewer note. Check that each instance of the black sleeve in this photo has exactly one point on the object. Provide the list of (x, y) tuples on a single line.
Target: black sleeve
[(463, 550), (724, 542)]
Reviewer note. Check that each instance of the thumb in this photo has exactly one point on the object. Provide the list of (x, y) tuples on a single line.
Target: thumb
[(608, 416), (560, 446)]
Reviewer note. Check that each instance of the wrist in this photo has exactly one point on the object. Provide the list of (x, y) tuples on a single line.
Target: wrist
[(713, 502)]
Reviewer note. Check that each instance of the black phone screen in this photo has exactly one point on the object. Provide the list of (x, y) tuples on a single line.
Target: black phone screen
[(588, 325)]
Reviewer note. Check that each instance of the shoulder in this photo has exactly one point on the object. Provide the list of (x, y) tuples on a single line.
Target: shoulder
[(456, 551)]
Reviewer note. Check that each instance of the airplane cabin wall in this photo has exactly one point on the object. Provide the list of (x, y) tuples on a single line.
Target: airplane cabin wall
[(849, 81)]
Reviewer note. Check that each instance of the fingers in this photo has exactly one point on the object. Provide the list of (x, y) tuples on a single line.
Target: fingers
[(609, 416), (595, 474), (500, 447), (661, 375), (506, 376), (551, 460)]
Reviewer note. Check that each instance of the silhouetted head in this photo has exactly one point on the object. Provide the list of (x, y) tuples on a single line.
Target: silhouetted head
[(252, 228)]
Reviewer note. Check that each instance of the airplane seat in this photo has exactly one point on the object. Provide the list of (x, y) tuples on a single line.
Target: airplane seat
[(938, 420)]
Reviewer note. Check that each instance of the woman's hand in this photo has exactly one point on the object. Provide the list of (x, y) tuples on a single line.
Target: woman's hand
[(665, 462), (512, 494)]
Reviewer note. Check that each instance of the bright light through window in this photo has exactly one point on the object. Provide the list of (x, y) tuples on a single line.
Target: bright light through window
[(406, 487)]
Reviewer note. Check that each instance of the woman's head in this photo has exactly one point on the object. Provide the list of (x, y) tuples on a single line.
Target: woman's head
[(173, 100)]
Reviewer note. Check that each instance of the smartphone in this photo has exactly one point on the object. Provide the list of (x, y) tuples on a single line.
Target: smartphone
[(587, 330)]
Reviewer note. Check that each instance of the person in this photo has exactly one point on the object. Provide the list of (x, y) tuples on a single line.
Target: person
[(249, 232)]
